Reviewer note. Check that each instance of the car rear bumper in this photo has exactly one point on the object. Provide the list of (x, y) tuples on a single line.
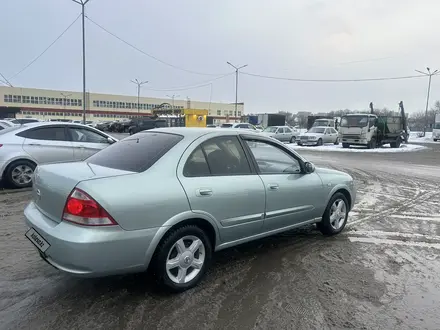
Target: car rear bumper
[(90, 252)]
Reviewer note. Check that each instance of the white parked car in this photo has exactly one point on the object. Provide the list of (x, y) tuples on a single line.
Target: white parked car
[(6, 124), (23, 147), (281, 133), (317, 136)]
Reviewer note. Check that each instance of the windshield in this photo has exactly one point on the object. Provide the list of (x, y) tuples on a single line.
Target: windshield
[(319, 130), (437, 126), (6, 123), (354, 121), (226, 126), (271, 129)]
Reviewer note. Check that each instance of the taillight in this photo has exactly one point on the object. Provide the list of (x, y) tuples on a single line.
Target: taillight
[(82, 209)]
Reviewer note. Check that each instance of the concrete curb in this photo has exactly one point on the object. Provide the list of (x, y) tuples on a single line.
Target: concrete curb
[(14, 191)]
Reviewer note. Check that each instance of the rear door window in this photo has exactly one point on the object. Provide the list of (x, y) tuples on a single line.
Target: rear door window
[(136, 154), (57, 133)]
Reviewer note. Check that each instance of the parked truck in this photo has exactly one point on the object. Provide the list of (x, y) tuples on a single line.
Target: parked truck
[(271, 119), (314, 121), (436, 128), (371, 130)]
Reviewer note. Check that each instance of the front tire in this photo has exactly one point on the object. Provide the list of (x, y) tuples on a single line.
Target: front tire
[(182, 258), (19, 173), (319, 142), (335, 215), (345, 145)]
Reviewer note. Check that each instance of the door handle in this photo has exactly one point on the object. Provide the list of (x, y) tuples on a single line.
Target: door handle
[(273, 186), (34, 144), (203, 192)]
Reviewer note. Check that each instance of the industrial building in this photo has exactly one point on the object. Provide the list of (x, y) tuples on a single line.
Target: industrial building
[(54, 104)]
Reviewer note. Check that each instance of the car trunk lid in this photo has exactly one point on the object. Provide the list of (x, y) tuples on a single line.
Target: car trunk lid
[(53, 183)]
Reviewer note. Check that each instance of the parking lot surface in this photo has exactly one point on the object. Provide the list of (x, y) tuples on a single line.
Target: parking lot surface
[(381, 272)]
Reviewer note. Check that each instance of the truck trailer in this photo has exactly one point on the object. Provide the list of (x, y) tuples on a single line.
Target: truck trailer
[(271, 119)]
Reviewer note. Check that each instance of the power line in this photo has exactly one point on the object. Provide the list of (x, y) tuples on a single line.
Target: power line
[(44, 51), (149, 55), (5, 81), (330, 80), (187, 87)]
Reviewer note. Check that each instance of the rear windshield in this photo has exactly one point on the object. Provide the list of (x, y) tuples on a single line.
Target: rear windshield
[(136, 153), (9, 129)]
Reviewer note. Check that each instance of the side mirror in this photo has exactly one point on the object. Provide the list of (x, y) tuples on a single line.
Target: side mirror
[(110, 140), (309, 167)]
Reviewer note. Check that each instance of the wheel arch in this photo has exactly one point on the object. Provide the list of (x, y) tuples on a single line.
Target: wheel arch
[(188, 218), (14, 160), (343, 190)]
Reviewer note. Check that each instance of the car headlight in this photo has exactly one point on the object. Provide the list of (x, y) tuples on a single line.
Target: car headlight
[(313, 138)]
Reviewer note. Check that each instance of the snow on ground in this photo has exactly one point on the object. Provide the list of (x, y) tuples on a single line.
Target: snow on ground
[(413, 138), (384, 149)]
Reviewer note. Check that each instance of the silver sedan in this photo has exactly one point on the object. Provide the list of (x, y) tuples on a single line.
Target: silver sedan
[(22, 147), (318, 136), (172, 197)]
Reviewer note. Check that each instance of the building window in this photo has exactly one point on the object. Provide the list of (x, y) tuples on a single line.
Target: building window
[(26, 99), (42, 100), (17, 98), (219, 112), (239, 113), (8, 98), (80, 102)]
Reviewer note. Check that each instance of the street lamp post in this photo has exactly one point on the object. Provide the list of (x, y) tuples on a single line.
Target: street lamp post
[(65, 102), (83, 4), (429, 74), (139, 85), (172, 97), (236, 83)]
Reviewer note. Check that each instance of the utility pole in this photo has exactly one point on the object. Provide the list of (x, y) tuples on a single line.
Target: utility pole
[(83, 4), (139, 85), (429, 74), (65, 102), (236, 83), (172, 98)]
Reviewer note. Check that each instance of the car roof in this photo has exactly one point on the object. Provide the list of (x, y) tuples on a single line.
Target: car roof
[(196, 132), (19, 128), (322, 127)]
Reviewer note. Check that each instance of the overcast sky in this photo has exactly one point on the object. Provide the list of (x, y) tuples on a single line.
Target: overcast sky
[(310, 39)]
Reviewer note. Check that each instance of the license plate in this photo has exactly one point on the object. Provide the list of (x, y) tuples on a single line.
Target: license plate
[(37, 240)]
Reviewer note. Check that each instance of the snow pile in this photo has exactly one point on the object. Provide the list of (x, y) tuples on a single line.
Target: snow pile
[(384, 149), (413, 137)]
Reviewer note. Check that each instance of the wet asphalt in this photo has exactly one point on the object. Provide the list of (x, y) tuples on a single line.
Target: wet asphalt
[(380, 273)]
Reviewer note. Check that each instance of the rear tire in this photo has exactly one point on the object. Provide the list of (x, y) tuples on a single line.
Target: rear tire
[(293, 139), (336, 142), (175, 266), (335, 215), (19, 173)]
